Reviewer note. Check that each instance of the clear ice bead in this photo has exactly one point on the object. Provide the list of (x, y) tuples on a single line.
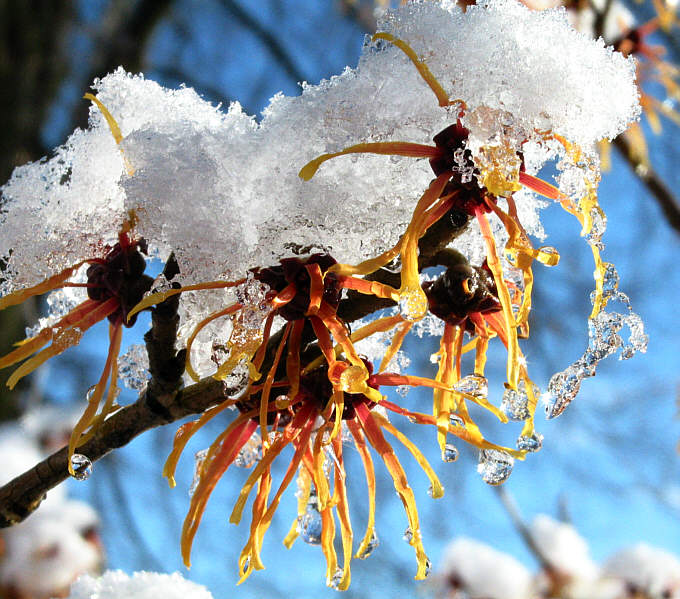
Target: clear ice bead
[(455, 420), (408, 534), (133, 367), (515, 403), (199, 460), (250, 453), (336, 579), (370, 547), (473, 384), (530, 443), (412, 304), (495, 466), (309, 524), (562, 389), (82, 466), (450, 453)]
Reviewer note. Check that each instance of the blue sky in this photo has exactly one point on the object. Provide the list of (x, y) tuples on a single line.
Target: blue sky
[(611, 457)]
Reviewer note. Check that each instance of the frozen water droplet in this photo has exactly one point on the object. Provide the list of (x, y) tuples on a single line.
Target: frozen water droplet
[(515, 403), (282, 402), (160, 285), (548, 255), (133, 367), (336, 579), (450, 453), (495, 466), (428, 567), (309, 524), (610, 280), (430, 492), (408, 534), (412, 304), (455, 420), (199, 459), (82, 466), (237, 381), (370, 547), (90, 392), (562, 389), (246, 565), (250, 453), (598, 221), (530, 443), (456, 108), (403, 390), (435, 358), (473, 384)]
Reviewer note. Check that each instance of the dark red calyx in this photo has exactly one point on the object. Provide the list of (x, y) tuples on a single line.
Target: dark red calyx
[(461, 291), (454, 155), (120, 275), (293, 270)]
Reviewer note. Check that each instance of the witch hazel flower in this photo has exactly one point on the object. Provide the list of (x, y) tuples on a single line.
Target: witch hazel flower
[(505, 125), (486, 95)]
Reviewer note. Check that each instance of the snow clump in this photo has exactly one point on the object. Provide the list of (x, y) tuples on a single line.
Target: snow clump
[(115, 584), (223, 191)]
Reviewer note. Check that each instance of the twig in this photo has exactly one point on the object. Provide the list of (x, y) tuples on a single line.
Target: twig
[(164, 401), (273, 45), (660, 191), (512, 510)]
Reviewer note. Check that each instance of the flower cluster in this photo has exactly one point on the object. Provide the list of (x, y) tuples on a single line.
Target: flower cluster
[(273, 267)]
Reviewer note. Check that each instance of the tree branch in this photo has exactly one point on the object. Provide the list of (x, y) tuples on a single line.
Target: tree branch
[(660, 191), (164, 401), (273, 45)]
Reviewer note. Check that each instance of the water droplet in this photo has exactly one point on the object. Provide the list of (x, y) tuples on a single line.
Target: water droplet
[(82, 466), (160, 285), (336, 579), (562, 389), (455, 420), (237, 381), (450, 453), (133, 367), (610, 280), (495, 466), (428, 567), (282, 402), (473, 384), (598, 221), (412, 304), (90, 392), (246, 565), (199, 460), (515, 403), (370, 547), (309, 524), (548, 255), (403, 390), (530, 443), (250, 453), (408, 534)]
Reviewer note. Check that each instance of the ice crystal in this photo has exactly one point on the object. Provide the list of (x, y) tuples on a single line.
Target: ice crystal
[(506, 63), (133, 367)]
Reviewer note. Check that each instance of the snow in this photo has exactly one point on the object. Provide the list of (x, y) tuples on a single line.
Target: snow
[(115, 584), (468, 564), (649, 569), (223, 191)]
